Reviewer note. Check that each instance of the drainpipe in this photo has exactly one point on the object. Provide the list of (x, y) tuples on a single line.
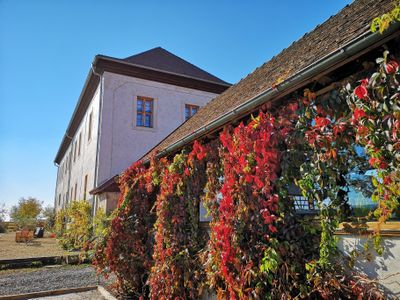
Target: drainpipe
[(351, 48), (96, 167)]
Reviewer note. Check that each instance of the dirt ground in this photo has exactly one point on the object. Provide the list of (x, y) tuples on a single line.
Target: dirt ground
[(46, 246)]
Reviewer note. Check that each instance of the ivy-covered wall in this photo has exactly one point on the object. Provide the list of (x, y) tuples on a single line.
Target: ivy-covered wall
[(258, 246)]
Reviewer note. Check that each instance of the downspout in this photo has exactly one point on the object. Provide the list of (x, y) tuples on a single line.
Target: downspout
[(96, 167), (354, 46)]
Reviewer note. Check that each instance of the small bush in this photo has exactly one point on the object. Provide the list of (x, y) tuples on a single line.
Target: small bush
[(74, 225), (101, 224), (60, 223)]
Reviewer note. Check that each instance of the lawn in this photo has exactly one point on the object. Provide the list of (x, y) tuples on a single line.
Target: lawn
[(46, 246)]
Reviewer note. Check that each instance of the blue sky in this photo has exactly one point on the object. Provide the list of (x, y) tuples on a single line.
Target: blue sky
[(46, 48)]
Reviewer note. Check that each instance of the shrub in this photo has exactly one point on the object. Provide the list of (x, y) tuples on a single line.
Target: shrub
[(78, 229), (60, 223)]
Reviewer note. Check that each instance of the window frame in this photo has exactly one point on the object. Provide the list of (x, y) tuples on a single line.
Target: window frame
[(90, 124), (143, 112)]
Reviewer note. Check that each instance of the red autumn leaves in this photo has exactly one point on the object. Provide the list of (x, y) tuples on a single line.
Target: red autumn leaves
[(251, 159), (361, 91)]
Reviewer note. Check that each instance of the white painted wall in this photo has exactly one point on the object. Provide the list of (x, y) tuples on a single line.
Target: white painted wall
[(121, 142), (385, 268), (73, 174)]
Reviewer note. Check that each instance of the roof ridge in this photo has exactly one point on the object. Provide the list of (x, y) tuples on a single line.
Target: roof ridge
[(164, 60)]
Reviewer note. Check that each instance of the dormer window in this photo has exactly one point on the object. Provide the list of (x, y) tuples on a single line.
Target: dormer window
[(144, 112), (190, 110)]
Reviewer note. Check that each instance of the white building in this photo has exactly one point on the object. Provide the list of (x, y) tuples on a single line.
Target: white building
[(127, 106)]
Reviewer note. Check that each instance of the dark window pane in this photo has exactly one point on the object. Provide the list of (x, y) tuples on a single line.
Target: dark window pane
[(140, 105), (194, 110), (148, 106), (148, 121), (187, 112), (139, 120)]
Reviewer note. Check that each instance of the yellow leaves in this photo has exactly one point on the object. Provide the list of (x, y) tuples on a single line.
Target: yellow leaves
[(255, 121), (280, 79), (383, 22), (386, 19)]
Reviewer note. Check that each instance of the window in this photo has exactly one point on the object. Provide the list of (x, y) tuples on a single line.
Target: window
[(66, 165), (90, 126), (85, 187), (190, 110), (76, 188), (74, 147), (59, 200), (79, 143), (144, 112)]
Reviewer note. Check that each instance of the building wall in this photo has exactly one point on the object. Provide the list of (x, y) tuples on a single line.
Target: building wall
[(108, 201), (74, 167), (121, 141), (385, 268)]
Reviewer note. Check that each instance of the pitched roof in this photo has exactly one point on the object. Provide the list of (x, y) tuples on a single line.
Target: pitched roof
[(161, 59), (350, 23)]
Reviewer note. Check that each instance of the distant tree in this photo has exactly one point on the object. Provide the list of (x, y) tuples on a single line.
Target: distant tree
[(3, 212), (26, 212), (50, 215)]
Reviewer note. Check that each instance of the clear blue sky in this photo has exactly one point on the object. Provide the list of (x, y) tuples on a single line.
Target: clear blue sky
[(46, 48)]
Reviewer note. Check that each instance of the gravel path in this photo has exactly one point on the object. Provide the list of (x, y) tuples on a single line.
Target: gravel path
[(44, 279)]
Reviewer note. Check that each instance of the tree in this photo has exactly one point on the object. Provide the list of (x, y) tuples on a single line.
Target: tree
[(3, 211), (26, 212), (50, 215)]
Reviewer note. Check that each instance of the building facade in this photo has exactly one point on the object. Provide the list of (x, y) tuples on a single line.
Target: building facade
[(127, 107)]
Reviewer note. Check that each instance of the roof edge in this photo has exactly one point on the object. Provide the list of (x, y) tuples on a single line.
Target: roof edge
[(118, 61), (110, 185)]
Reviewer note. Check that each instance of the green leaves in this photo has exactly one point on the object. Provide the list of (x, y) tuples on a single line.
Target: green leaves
[(383, 22)]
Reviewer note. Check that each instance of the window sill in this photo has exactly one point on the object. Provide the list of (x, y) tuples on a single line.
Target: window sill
[(144, 128), (390, 228)]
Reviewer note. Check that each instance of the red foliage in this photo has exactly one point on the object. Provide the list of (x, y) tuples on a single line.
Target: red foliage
[(177, 273), (361, 91), (127, 249), (251, 161)]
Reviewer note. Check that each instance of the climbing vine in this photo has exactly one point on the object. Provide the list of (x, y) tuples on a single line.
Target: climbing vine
[(177, 272), (376, 118), (126, 250), (383, 22)]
